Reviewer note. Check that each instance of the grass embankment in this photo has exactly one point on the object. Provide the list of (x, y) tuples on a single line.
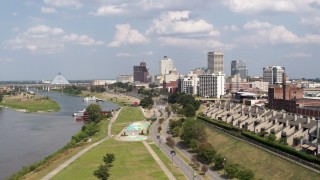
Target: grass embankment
[(30, 103), (116, 98), (263, 164), (133, 161), (174, 170), (62, 156), (126, 116)]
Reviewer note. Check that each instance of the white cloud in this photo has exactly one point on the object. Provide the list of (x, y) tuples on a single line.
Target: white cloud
[(64, 3), (298, 55), (125, 35), (43, 39), (15, 14), (125, 55), (264, 32), (48, 10), (311, 21), (266, 6), (81, 39), (179, 22), (108, 10), (232, 28), (193, 43), (148, 53)]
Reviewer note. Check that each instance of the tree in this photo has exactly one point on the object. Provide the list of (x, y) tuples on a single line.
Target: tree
[(272, 137), (161, 120), (219, 161), (176, 131), (1, 96), (170, 142), (193, 144), (204, 169), (192, 129), (231, 170), (245, 174), (146, 102), (94, 112), (108, 159), (206, 152), (159, 129), (102, 172), (189, 111)]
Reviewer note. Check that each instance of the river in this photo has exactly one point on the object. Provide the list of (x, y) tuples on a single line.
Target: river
[(26, 138)]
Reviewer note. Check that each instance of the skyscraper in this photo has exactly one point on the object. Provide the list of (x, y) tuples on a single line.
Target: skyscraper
[(166, 65), (273, 75), (140, 73), (215, 62), (238, 66)]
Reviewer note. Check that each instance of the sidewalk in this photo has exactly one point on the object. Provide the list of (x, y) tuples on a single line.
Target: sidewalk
[(160, 163), (79, 154)]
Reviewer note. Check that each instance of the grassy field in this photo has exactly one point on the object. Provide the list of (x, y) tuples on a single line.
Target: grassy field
[(116, 98), (62, 157), (30, 103), (263, 164), (126, 116), (133, 161), (174, 170)]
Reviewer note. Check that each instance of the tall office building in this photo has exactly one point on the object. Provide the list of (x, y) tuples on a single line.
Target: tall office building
[(273, 75), (239, 67), (140, 73), (211, 85), (166, 65), (215, 62)]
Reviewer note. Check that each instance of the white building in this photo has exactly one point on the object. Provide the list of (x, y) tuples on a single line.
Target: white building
[(125, 78), (211, 85), (102, 82), (166, 65), (273, 75), (173, 75), (189, 84)]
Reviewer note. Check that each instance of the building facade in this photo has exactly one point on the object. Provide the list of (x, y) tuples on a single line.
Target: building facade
[(125, 78), (211, 85), (239, 67), (215, 62), (273, 75), (189, 84), (140, 73), (166, 65)]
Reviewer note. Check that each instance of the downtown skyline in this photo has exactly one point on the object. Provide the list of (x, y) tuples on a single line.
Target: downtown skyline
[(103, 39)]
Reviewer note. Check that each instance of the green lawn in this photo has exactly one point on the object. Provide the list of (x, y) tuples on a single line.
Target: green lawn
[(126, 116), (31, 104), (263, 164), (133, 161), (174, 170)]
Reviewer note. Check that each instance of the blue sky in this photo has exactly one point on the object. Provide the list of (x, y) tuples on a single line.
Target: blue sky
[(101, 39)]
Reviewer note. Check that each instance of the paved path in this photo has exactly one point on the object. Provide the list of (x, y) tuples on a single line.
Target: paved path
[(73, 158), (160, 163)]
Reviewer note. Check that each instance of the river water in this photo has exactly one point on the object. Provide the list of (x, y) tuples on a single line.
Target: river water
[(26, 138)]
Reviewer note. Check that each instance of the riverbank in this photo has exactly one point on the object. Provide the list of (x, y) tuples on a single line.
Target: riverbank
[(117, 98), (30, 103)]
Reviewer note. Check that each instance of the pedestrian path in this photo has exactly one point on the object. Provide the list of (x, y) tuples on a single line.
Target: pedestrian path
[(73, 158), (160, 163)]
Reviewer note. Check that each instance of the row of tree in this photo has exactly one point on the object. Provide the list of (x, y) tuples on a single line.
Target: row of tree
[(103, 171), (193, 134), (189, 104)]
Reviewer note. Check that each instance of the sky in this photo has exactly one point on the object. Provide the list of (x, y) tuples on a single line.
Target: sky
[(101, 39)]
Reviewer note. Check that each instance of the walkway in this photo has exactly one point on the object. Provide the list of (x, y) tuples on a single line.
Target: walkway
[(73, 158), (157, 159)]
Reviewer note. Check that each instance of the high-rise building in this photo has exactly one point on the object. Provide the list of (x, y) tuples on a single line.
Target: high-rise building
[(166, 65), (239, 67), (188, 84), (215, 62), (211, 85), (273, 75), (140, 73)]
